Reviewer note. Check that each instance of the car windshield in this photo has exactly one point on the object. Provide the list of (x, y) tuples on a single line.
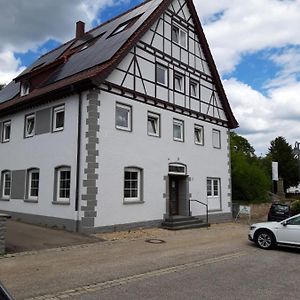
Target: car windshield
[(282, 208)]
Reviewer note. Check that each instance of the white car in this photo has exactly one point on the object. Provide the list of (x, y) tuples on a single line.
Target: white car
[(269, 234)]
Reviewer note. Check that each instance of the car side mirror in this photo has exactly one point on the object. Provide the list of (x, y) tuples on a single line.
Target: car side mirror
[(284, 223)]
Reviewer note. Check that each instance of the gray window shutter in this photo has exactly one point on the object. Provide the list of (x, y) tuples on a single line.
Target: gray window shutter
[(43, 121), (18, 184)]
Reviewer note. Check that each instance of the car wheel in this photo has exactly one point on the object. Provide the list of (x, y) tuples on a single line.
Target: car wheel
[(265, 239)]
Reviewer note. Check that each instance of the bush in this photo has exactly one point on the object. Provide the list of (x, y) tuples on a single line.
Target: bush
[(295, 207)]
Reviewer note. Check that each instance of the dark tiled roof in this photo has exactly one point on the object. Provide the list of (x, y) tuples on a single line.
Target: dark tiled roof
[(96, 54)]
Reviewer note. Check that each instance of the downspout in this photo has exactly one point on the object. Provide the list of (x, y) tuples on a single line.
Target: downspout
[(78, 160)]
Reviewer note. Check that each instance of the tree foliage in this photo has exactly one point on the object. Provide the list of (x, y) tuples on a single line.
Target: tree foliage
[(250, 180), (2, 86), (282, 152)]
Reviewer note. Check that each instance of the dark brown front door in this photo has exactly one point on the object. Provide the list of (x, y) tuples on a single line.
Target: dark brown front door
[(174, 207)]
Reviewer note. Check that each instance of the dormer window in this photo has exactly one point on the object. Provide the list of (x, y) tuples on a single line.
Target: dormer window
[(25, 88), (124, 26)]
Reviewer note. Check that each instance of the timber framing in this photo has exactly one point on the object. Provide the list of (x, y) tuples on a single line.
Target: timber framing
[(98, 74)]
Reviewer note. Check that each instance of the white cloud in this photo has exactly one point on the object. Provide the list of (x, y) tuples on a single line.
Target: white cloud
[(10, 67), (263, 118), (235, 28), (26, 25), (248, 26)]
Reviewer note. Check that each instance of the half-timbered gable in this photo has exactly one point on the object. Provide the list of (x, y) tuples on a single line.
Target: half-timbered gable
[(172, 43), (124, 125)]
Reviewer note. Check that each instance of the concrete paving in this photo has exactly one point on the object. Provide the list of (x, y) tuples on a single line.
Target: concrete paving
[(26, 237), (60, 270)]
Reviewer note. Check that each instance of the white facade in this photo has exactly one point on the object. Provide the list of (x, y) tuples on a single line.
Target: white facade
[(185, 92), (44, 152)]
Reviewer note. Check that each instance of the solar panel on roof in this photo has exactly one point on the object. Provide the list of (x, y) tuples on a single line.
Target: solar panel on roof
[(9, 92), (100, 50)]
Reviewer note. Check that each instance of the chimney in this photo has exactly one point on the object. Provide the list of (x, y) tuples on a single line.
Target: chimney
[(80, 30)]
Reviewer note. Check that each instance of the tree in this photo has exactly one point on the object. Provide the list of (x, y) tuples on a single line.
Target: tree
[(282, 152), (2, 86), (240, 144), (250, 181)]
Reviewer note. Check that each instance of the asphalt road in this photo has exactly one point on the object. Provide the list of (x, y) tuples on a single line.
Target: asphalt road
[(246, 275), (218, 263)]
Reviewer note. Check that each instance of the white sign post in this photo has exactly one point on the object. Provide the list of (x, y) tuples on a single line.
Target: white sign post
[(244, 210), (274, 170)]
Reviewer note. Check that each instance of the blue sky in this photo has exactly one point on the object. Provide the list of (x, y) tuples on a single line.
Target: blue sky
[(257, 53)]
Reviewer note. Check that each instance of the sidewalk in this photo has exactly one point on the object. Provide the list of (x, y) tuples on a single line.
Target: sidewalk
[(55, 270), (22, 237)]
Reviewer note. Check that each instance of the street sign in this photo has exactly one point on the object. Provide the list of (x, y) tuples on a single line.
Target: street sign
[(245, 210), (274, 171)]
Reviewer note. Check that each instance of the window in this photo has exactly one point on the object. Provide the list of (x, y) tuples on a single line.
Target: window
[(29, 125), (58, 118), (33, 180), (178, 82), (6, 184), (199, 135), (179, 36), (132, 185), (153, 124), (213, 187), (294, 221), (25, 88), (63, 181), (161, 75), (194, 89), (216, 137), (125, 25), (123, 117), (177, 169), (178, 130), (6, 131)]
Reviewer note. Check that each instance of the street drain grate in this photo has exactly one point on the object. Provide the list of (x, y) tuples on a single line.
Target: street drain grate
[(155, 241)]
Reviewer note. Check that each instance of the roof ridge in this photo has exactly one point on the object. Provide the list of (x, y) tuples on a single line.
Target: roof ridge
[(120, 15)]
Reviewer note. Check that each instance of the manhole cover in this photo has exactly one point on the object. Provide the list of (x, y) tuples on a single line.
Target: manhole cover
[(155, 241)]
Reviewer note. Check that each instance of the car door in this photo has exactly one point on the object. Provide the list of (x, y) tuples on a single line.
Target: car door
[(289, 233)]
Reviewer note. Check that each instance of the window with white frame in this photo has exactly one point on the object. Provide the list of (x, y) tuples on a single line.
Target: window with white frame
[(33, 181), (25, 88), (193, 89), (161, 75), (123, 117), (58, 118), (216, 138), (132, 185), (179, 36), (29, 125), (6, 184), (199, 134), (6, 128), (153, 124), (178, 82), (63, 184), (178, 130), (213, 187)]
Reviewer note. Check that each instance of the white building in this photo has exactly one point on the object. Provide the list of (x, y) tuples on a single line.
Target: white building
[(120, 127)]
